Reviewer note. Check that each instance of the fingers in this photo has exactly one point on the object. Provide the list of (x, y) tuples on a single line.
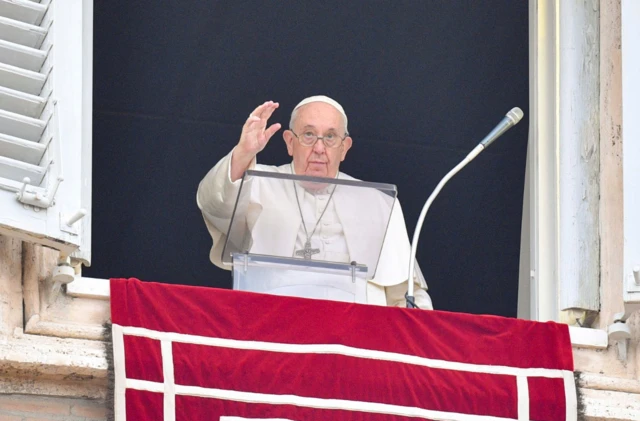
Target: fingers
[(258, 111), (252, 119), (268, 110), (255, 133), (272, 130), (264, 137), (263, 111)]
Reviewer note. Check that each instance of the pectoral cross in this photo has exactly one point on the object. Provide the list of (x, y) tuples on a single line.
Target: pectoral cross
[(307, 252)]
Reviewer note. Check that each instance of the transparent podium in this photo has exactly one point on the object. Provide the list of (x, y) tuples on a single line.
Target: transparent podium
[(286, 235)]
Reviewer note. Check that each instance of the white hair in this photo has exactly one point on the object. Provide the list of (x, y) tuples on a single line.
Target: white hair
[(319, 98)]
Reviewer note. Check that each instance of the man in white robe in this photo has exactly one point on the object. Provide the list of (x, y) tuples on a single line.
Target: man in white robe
[(324, 221)]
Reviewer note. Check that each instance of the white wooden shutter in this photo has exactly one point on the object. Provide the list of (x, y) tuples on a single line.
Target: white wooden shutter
[(630, 26), (45, 122)]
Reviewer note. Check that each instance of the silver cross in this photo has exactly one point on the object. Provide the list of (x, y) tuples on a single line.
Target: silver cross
[(307, 252)]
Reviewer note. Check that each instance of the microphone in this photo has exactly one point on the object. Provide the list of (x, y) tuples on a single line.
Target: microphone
[(511, 119)]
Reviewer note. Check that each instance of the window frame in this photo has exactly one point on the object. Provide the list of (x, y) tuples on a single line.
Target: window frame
[(70, 57), (630, 33)]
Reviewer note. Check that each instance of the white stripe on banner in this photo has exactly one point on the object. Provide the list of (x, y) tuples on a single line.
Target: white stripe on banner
[(169, 382), (571, 397), (120, 386), (344, 350), (317, 403), (252, 419), (145, 385), (523, 398)]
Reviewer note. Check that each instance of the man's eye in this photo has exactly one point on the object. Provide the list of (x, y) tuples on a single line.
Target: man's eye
[(309, 135), (331, 136)]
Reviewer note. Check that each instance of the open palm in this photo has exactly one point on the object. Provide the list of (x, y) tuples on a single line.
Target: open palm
[(255, 134)]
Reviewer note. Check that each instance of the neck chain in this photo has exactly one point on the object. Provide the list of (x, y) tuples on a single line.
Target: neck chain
[(307, 251)]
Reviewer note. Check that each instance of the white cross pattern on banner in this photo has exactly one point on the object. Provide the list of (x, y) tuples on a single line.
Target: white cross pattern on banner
[(252, 419), (170, 389)]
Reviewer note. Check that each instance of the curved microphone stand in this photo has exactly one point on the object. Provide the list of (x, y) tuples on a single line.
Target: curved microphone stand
[(511, 119)]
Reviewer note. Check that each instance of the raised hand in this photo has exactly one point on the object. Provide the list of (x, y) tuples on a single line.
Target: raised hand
[(254, 137)]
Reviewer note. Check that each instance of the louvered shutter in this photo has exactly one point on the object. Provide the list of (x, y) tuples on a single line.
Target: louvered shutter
[(45, 122)]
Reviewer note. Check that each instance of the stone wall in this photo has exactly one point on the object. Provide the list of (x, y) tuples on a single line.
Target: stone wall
[(47, 408), (52, 358)]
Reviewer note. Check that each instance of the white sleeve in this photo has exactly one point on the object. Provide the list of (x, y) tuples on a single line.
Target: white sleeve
[(216, 197), (395, 296), (393, 266)]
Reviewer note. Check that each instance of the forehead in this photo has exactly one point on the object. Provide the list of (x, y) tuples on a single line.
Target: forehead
[(319, 114)]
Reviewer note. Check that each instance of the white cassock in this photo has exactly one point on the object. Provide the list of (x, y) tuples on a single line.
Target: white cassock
[(279, 230)]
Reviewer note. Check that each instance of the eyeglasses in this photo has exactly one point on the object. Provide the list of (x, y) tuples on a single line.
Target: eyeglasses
[(330, 140)]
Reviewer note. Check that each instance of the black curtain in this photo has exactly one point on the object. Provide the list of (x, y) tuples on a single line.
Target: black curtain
[(421, 81)]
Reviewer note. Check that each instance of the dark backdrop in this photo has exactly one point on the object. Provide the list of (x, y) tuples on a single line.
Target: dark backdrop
[(421, 81)]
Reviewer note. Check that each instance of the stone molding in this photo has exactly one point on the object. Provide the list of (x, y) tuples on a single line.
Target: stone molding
[(34, 364)]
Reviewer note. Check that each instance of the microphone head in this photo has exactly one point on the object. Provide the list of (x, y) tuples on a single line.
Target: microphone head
[(515, 115)]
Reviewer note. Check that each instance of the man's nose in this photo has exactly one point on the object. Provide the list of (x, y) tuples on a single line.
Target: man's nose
[(319, 147)]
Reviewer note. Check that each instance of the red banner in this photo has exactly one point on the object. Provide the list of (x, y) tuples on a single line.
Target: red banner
[(190, 353)]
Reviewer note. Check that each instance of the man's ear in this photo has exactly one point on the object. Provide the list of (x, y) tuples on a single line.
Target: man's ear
[(346, 145), (287, 135)]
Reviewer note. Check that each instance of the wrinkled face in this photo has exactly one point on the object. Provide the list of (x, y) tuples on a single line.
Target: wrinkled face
[(320, 119)]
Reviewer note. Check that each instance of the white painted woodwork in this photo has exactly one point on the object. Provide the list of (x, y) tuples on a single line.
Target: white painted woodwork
[(22, 80), (21, 56), (45, 122), (86, 130), (18, 170), (94, 288), (578, 153), (582, 337), (630, 24), (21, 103), (21, 33), (21, 126), (23, 10), (21, 150), (524, 272), (563, 160), (542, 162)]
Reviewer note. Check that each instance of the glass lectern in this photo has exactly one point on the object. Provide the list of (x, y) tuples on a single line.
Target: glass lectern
[(286, 235)]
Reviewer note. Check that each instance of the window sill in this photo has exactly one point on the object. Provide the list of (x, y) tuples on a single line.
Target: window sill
[(582, 337), (94, 288)]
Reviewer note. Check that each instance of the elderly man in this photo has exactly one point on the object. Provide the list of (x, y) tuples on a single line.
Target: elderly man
[(318, 141)]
